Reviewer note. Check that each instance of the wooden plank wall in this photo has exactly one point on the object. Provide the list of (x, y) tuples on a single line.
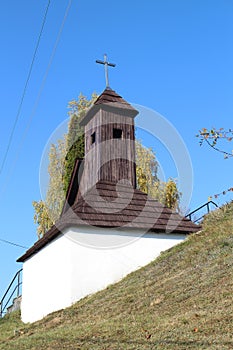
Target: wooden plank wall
[(109, 159)]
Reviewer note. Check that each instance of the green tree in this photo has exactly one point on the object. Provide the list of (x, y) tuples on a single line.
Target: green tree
[(41, 217), (48, 211), (55, 194), (75, 137), (147, 167), (166, 193), (62, 157), (171, 195)]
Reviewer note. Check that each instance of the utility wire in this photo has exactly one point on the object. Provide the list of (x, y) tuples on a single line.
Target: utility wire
[(35, 107), (12, 243), (24, 90), (36, 102), (38, 97)]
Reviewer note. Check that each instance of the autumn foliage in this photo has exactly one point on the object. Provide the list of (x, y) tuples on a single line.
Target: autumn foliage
[(213, 137)]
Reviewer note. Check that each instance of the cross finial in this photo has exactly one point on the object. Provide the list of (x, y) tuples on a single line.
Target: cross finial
[(106, 64)]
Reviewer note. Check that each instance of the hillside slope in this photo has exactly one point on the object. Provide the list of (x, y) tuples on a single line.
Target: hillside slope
[(182, 300)]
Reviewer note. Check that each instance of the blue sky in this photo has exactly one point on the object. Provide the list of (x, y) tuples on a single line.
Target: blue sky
[(174, 57)]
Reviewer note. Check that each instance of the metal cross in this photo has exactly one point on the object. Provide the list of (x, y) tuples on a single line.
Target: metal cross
[(106, 64)]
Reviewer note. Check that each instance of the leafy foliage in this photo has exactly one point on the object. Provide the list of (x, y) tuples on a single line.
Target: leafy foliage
[(62, 157), (55, 193), (171, 195), (147, 167), (147, 180), (41, 217), (75, 136), (216, 195), (212, 138)]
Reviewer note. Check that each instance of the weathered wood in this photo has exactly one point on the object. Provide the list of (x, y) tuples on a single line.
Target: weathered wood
[(108, 158)]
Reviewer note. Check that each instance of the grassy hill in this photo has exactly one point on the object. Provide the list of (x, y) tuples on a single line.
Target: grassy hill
[(182, 300)]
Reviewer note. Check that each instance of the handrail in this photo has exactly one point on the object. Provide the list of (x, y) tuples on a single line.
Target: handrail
[(207, 204), (10, 297), (17, 287)]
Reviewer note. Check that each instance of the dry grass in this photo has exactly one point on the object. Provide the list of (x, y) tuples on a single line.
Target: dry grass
[(182, 300)]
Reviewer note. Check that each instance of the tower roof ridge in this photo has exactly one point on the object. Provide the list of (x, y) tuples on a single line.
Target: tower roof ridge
[(109, 100), (109, 95)]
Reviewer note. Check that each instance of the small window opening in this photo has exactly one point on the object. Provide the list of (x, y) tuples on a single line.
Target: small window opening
[(117, 133), (93, 138)]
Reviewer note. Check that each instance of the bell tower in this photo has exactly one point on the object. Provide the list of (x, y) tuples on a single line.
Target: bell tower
[(109, 141)]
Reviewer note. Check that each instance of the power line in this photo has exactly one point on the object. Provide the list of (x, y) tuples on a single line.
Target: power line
[(19, 148), (37, 99), (25, 89), (12, 243)]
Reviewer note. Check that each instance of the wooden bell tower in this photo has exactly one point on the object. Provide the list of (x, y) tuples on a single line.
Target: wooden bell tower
[(109, 141)]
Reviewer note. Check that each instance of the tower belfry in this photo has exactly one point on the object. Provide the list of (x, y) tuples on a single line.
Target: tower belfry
[(109, 141)]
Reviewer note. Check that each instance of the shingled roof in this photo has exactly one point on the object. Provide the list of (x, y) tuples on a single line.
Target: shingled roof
[(117, 206), (109, 100), (110, 96)]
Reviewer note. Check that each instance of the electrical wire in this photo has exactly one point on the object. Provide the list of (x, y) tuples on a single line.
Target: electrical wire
[(12, 243), (35, 106), (24, 90)]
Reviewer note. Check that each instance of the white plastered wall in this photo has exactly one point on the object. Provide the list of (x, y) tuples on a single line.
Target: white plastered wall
[(82, 261)]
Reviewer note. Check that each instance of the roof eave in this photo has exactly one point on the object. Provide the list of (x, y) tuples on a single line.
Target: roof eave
[(112, 108), (54, 232)]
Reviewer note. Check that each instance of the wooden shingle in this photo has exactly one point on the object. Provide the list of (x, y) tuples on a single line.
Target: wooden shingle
[(134, 210)]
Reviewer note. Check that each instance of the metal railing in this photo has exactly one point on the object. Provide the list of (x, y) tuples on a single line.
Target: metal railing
[(208, 209), (13, 291)]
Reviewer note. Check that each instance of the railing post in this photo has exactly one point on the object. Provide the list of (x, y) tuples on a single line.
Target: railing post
[(16, 291), (201, 207), (18, 284)]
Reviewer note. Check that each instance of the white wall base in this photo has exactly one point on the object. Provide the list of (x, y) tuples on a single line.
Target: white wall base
[(82, 261)]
